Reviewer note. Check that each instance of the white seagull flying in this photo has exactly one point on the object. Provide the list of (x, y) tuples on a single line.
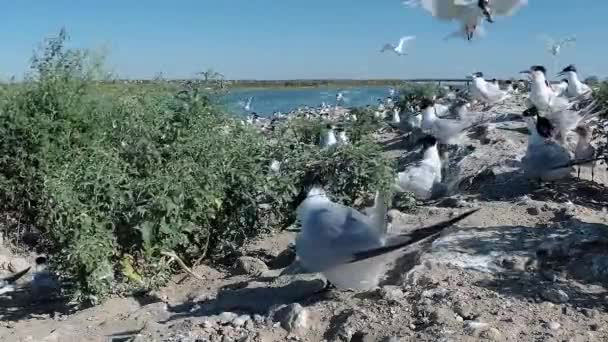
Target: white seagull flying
[(399, 49)]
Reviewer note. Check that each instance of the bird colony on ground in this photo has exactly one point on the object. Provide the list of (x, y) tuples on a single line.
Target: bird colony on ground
[(348, 246)]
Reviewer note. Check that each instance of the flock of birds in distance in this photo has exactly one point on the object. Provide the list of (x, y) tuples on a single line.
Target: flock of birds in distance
[(348, 246)]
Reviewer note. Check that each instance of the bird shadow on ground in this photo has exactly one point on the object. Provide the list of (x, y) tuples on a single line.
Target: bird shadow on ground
[(256, 299), (512, 185), (523, 262), (21, 305)]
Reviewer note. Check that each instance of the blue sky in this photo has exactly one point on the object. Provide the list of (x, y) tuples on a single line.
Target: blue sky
[(284, 39)]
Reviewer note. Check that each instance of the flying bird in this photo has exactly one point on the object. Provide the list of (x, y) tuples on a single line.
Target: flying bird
[(469, 13), (554, 47), (399, 49)]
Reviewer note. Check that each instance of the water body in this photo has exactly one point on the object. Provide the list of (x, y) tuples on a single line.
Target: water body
[(265, 102)]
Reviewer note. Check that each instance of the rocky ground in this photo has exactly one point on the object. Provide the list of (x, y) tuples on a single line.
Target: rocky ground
[(530, 266)]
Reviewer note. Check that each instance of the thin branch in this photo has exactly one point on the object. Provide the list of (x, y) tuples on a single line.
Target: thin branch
[(186, 269)]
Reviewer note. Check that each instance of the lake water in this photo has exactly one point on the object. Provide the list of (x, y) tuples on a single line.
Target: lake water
[(268, 101)]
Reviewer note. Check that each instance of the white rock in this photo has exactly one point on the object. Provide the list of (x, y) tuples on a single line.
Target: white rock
[(241, 320), (292, 317), (554, 325)]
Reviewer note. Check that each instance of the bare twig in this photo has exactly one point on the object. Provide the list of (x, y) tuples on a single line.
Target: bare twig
[(186, 269)]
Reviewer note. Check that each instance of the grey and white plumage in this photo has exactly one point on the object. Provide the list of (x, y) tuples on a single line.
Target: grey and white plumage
[(346, 245), (544, 153), (542, 95), (576, 88), (560, 88), (400, 48), (7, 284), (342, 138), (328, 137), (421, 177), (446, 131), (469, 13), (554, 46), (485, 92)]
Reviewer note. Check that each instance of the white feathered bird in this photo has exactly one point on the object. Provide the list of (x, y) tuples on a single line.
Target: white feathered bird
[(400, 48), (469, 13), (485, 92), (345, 245), (421, 177), (576, 88)]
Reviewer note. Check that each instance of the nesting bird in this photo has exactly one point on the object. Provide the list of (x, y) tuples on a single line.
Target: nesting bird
[(576, 88), (446, 131), (328, 137), (543, 153), (485, 92), (421, 177), (346, 245)]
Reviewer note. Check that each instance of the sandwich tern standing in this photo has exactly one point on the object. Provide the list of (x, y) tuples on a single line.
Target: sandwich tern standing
[(576, 88), (342, 243), (541, 93), (446, 131), (341, 137), (399, 49), (486, 93), (560, 88), (543, 153), (421, 177), (328, 137)]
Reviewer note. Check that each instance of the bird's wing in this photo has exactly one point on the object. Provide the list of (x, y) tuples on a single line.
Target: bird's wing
[(567, 41), (13, 278), (442, 9), (404, 40), (506, 7), (403, 240), (387, 47), (441, 109)]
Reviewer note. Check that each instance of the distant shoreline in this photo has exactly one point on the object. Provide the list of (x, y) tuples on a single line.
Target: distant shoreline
[(296, 84)]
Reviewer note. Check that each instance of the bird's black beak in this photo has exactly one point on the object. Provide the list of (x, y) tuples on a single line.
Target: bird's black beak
[(561, 73), (525, 72)]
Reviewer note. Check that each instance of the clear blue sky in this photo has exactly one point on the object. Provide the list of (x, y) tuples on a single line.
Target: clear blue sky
[(282, 39)]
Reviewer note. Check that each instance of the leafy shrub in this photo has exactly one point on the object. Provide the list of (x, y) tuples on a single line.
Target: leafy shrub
[(411, 94), (112, 180)]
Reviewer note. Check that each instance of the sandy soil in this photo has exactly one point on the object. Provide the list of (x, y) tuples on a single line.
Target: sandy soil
[(532, 265)]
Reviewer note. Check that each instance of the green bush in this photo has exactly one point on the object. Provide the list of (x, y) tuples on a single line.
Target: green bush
[(114, 179), (411, 94)]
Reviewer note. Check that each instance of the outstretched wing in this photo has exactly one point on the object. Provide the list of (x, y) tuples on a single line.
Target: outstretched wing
[(387, 47), (442, 9), (405, 39), (506, 7)]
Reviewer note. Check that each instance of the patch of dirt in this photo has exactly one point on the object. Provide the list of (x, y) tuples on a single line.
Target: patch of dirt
[(532, 265)]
